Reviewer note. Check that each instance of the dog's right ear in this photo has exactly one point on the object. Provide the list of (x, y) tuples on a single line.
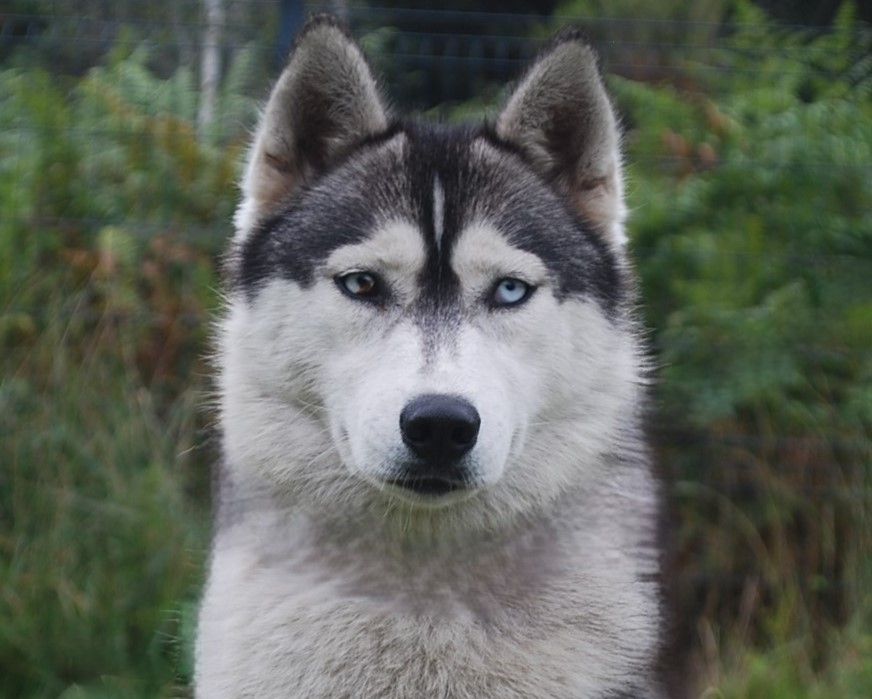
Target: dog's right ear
[(562, 120), (325, 101)]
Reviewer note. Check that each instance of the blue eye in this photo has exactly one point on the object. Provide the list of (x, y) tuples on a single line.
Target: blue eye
[(511, 292), (361, 285)]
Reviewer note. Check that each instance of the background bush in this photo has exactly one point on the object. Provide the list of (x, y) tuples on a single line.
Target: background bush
[(753, 240), (103, 485)]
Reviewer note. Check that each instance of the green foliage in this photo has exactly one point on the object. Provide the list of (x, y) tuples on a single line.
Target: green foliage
[(788, 673), (645, 40), (105, 298), (752, 233), (101, 543)]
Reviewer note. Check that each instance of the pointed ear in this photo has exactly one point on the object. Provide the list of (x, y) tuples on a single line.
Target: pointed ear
[(324, 102), (561, 118)]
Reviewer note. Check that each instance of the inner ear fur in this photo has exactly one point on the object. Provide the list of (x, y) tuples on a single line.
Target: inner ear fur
[(324, 102), (562, 120)]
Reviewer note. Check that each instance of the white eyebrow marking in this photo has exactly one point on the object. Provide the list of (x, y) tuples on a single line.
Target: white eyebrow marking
[(438, 211)]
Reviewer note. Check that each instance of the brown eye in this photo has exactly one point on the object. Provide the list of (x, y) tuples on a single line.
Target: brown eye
[(363, 285)]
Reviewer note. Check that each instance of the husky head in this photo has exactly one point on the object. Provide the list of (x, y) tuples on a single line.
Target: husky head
[(427, 319)]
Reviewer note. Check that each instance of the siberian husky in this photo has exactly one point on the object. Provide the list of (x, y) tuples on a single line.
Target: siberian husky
[(431, 389)]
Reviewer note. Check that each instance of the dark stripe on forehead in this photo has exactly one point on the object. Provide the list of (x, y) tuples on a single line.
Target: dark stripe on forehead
[(436, 155)]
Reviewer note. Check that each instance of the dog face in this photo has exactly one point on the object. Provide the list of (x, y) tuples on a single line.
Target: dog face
[(417, 312)]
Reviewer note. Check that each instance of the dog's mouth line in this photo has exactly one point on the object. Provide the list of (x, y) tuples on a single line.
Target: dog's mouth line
[(429, 485)]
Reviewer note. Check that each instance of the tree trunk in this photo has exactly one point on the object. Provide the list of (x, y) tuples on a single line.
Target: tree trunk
[(210, 64)]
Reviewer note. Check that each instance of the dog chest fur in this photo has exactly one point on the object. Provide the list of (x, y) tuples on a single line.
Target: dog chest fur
[(301, 611)]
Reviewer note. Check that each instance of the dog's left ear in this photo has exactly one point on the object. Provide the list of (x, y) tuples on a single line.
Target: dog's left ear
[(561, 119)]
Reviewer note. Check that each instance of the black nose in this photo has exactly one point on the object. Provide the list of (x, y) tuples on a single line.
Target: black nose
[(439, 428)]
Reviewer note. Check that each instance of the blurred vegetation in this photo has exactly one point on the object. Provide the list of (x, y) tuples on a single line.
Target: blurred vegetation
[(750, 185), (753, 238), (113, 214)]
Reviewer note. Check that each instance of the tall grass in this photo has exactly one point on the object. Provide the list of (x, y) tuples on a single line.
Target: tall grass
[(104, 449), (102, 542)]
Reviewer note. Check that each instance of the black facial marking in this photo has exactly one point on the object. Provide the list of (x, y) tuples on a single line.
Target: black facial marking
[(375, 183), (291, 244), (438, 153), (537, 219), (339, 208)]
